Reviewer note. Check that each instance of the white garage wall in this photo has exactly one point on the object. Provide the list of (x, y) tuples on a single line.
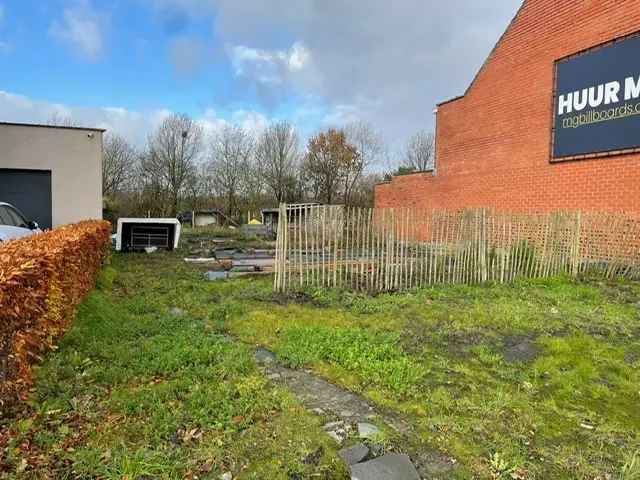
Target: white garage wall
[(74, 156)]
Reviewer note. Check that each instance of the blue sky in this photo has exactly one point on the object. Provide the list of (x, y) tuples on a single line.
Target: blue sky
[(126, 64)]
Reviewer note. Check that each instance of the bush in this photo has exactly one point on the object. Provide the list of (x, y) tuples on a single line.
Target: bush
[(42, 280)]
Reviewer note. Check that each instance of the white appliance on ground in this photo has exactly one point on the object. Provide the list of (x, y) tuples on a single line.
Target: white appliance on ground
[(147, 233)]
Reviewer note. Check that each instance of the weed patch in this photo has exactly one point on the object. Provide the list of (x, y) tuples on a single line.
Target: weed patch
[(376, 358)]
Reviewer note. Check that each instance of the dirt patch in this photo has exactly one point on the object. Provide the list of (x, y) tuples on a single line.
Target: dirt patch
[(519, 349), (296, 298), (414, 335)]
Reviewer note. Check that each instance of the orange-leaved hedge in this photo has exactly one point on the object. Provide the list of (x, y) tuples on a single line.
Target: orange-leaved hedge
[(42, 280)]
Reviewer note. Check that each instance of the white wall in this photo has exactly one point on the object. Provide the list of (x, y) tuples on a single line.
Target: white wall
[(204, 219), (74, 157)]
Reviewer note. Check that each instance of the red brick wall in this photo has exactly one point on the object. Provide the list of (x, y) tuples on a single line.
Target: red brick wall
[(493, 145)]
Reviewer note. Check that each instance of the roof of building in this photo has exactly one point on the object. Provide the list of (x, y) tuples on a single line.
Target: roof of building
[(40, 125), (486, 61), (213, 211)]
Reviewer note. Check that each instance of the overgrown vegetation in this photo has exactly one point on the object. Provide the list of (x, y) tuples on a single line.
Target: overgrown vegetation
[(145, 386), (534, 380)]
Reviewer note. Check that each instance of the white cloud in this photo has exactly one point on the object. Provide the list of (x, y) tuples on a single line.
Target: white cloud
[(211, 122), (132, 125), (389, 65), (82, 29), (298, 57), (251, 121), (269, 66)]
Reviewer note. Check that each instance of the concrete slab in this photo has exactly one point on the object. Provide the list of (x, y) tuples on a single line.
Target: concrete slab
[(388, 467)]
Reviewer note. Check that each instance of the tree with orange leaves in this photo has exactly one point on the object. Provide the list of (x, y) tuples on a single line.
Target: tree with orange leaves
[(329, 159)]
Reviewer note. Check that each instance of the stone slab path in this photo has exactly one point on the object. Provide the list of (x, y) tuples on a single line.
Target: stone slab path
[(351, 415)]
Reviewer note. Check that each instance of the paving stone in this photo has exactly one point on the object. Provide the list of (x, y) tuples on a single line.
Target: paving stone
[(177, 312), (367, 430), (213, 276), (387, 467), (332, 425), (377, 449), (264, 356), (338, 438), (329, 400), (354, 454)]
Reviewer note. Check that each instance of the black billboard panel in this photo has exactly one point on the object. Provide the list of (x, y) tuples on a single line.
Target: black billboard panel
[(597, 101)]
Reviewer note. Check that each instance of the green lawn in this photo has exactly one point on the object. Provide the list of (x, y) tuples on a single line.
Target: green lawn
[(538, 380)]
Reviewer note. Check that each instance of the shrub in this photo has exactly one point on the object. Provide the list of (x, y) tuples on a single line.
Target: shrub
[(42, 280)]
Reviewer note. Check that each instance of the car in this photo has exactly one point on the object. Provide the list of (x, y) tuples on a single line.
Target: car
[(13, 223)]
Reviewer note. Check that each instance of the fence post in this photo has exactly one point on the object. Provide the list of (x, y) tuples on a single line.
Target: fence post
[(576, 246)]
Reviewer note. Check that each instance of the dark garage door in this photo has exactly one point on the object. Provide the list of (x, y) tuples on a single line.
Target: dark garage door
[(29, 191)]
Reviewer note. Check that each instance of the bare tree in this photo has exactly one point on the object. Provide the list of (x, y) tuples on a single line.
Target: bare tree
[(370, 148), (277, 155), (253, 185), (364, 189), (231, 150), (420, 152), (60, 120), (174, 149), (118, 163), (329, 156)]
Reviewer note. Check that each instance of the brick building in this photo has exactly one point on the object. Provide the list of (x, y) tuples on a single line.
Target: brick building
[(495, 144)]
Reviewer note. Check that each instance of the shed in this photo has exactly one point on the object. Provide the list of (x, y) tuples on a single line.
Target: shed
[(202, 218)]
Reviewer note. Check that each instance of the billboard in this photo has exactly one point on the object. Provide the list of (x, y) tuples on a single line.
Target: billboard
[(597, 101)]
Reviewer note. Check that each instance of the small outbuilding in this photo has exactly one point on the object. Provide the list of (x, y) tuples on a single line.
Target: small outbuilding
[(52, 174), (202, 218), (270, 215)]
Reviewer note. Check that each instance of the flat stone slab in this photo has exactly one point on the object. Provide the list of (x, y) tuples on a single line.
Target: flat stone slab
[(333, 425), (388, 467), (326, 399), (336, 436), (265, 356), (367, 430), (354, 454)]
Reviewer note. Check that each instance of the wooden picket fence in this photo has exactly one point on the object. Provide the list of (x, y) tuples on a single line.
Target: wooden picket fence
[(380, 250)]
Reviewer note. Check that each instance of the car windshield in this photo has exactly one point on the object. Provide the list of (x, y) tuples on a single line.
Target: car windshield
[(9, 216)]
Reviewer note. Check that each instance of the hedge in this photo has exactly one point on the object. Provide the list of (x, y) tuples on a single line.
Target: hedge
[(43, 278)]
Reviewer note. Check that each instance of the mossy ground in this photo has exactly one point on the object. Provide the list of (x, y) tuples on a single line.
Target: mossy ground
[(540, 379)]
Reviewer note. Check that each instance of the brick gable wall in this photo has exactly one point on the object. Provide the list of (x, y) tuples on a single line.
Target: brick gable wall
[(493, 144)]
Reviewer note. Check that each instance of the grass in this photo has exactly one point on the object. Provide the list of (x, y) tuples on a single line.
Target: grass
[(136, 391), (535, 380)]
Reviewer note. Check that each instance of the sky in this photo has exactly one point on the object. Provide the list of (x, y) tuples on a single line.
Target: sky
[(124, 65)]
